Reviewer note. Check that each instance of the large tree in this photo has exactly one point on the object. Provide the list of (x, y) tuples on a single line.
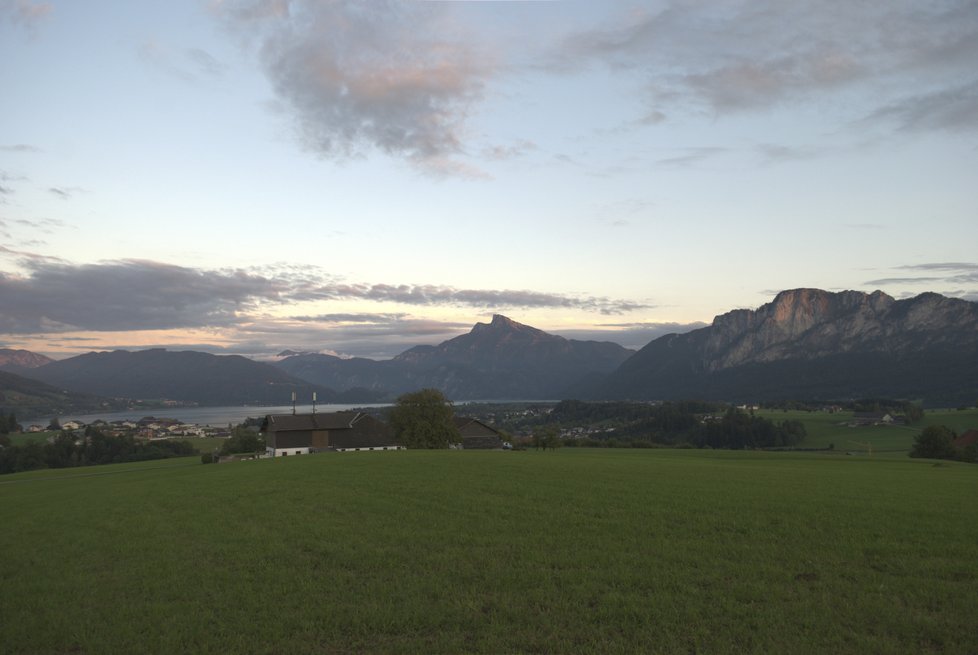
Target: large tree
[(424, 419), (934, 442)]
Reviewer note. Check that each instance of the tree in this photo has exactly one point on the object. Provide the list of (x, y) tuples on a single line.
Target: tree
[(546, 437), (934, 442), (424, 419), (243, 440)]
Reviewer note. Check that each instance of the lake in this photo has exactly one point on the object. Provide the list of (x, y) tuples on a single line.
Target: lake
[(234, 414), (214, 416)]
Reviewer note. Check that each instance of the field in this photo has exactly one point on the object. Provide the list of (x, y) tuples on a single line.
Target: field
[(578, 551), (826, 429)]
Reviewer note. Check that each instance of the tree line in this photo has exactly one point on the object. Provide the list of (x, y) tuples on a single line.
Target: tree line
[(67, 450), (682, 423)]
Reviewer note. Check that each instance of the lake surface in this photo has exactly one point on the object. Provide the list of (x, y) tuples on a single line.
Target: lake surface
[(214, 416), (221, 416)]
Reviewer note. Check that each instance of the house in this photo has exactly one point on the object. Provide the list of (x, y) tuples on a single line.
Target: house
[(301, 434), (478, 435), (966, 439), (870, 418)]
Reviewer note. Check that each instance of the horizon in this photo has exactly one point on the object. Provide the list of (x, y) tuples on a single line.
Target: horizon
[(248, 177), (578, 335)]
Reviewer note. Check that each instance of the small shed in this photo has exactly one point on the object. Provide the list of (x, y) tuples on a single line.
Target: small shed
[(477, 435)]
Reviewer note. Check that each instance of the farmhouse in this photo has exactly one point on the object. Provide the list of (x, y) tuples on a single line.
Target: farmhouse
[(301, 434), (968, 438), (477, 435), (871, 418)]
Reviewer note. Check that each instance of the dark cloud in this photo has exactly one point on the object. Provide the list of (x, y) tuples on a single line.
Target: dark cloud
[(205, 63), (956, 273), (376, 336), (388, 76), (952, 109), (126, 295), (19, 147), (65, 193), (737, 56), (491, 299), (630, 335), (56, 296)]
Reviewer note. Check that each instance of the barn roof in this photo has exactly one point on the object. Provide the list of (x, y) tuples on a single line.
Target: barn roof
[(966, 439), (471, 427), (319, 421)]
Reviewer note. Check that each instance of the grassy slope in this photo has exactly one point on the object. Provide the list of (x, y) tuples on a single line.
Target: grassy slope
[(824, 429), (443, 552)]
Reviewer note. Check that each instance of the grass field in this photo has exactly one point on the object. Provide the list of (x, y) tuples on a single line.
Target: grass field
[(824, 429), (579, 551)]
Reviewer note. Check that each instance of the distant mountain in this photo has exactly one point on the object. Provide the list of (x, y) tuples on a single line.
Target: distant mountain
[(185, 376), (26, 397), (810, 344), (501, 359), (16, 361)]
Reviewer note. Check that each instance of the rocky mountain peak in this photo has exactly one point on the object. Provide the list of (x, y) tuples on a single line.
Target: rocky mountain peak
[(22, 359), (813, 343), (502, 323)]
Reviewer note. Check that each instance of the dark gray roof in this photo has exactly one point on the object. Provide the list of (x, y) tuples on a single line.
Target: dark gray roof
[(471, 427), (318, 421)]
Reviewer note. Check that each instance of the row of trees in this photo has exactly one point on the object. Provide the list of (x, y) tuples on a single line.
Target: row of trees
[(424, 419), (690, 423), (67, 450)]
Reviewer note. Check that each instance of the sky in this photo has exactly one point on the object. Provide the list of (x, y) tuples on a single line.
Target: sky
[(357, 178)]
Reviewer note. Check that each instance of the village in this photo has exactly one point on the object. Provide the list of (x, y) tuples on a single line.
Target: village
[(148, 428)]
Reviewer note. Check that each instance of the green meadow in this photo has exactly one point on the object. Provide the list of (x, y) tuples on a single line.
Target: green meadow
[(824, 429), (578, 551)]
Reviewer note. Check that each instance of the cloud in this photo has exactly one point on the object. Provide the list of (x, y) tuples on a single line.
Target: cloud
[(518, 149), (25, 13), (396, 77), (953, 109), (19, 147), (65, 193), (491, 299), (126, 295), (734, 56), (772, 152), (692, 156), (57, 296), (957, 273), (377, 336), (630, 335), (205, 63)]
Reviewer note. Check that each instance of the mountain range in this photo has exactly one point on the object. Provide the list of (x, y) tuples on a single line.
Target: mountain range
[(808, 344), (805, 344), (498, 360), (19, 361), (184, 376)]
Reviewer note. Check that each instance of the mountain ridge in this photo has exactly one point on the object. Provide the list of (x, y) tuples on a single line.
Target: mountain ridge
[(502, 359), (811, 343)]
